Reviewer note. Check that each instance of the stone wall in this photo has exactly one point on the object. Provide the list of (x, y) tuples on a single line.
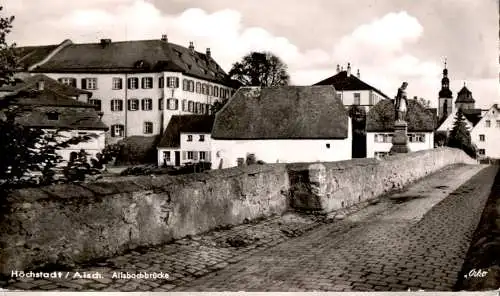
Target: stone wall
[(64, 224), (326, 187)]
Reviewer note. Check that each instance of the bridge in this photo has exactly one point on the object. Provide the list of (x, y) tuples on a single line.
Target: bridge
[(356, 226)]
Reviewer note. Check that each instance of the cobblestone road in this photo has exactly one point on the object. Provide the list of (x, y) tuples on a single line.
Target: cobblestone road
[(417, 239)]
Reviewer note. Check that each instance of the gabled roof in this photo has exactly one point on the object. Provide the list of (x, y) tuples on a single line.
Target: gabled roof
[(473, 115), (30, 83), (381, 117), (178, 124), (37, 105), (45, 97), (342, 82), (30, 55), (131, 57), (464, 96), (285, 112)]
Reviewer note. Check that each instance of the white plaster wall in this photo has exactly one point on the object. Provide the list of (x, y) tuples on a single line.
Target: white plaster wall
[(491, 145), (279, 151), (372, 146)]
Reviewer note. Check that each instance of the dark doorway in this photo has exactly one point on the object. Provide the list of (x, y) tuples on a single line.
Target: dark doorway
[(177, 158)]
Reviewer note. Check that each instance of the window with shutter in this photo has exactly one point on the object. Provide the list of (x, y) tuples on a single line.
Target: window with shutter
[(147, 104), (216, 91), (116, 105), (133, 104), (176, 82), (198, 87), (117, 83), (133, 83), (176, 104), (191, 85), (161, 82), (160, 104), (183, 105), (184, 84), (96, 103)]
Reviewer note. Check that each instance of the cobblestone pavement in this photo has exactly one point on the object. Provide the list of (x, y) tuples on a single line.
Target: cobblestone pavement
[(416, 239)]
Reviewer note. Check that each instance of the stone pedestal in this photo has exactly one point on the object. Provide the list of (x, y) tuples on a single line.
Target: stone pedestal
[(400, 138)]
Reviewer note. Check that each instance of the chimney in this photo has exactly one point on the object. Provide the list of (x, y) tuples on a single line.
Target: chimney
[(338, 68), (209, 53), (357, 74), (40, 85), (348, 69), (191, 46), (105, 42), (164, 38)]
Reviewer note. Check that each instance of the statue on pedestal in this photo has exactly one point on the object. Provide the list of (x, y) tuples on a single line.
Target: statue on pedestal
[(401, 103), (400, 137)]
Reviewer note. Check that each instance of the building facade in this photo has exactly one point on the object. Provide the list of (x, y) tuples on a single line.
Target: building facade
[(281, 124), (486, 134), (54, 112), (351, 90), (186, 140), (138, 85), (380, 128)]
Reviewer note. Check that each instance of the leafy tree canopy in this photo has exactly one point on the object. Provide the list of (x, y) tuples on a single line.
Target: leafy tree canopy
[(260, 69)]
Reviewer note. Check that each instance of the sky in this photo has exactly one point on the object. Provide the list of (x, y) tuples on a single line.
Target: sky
[(389, 41)]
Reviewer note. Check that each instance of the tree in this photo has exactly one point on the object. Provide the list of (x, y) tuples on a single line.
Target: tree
[(460, 135), (260, 69), (425, 103), (8, 60), (29, 155)]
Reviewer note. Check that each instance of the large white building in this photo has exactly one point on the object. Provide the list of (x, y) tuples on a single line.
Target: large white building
[(351, 90), (380, 128), (138, 85), (281, 125)]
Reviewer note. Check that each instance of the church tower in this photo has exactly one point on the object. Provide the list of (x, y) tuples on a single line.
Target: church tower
[(445, 96)]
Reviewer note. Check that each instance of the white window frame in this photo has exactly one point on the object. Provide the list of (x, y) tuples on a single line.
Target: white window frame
[(189, 138), (68, 81), (167, 157), (204, 157), (117, 81), (357, 96), (119, 130), (488, 123), (201, 138), (137, 103), (133, 83), (147, 104), (90, 83), (190, 155), (148, 128), (115, 104), (147, 82), (93, 101), (482, 138)]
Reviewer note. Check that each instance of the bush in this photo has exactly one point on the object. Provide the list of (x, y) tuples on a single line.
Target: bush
[(137, 150)]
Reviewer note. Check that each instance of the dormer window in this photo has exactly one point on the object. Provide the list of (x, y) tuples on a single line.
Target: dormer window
[(53, 115)]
